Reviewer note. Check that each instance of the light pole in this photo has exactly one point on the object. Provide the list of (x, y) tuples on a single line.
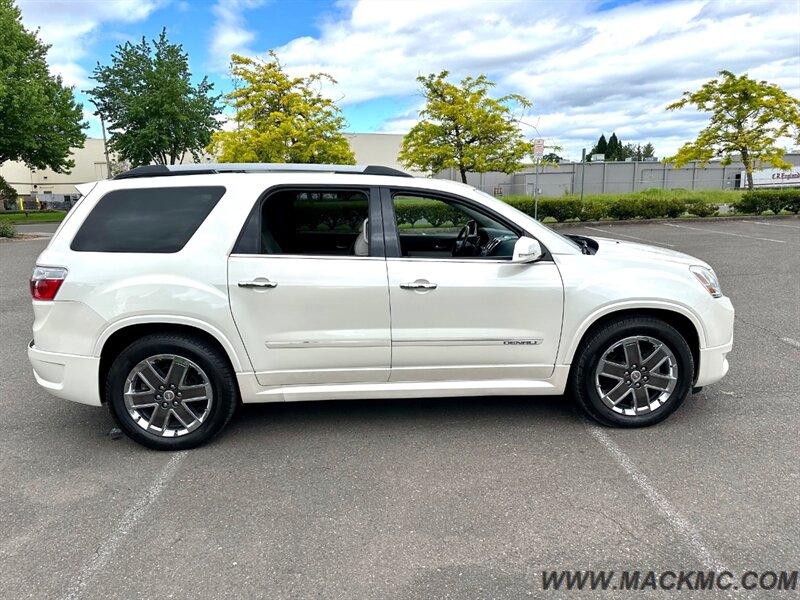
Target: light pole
[(105, 143)]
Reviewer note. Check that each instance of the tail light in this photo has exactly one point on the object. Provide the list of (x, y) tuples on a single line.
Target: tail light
[(46, 281)]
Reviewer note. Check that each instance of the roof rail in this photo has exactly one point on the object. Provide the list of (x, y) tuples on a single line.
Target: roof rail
[(204, 169)]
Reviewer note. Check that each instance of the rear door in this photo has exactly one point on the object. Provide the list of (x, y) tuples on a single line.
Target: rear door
[(308, 289)]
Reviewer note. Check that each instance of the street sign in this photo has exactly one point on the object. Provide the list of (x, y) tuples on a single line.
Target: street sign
[(538, 149)]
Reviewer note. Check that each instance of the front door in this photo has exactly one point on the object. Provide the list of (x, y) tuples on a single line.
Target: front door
[(460, 309), (308, 291)]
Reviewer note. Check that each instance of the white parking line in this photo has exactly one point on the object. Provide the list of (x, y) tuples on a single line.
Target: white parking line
[(662, 505), (128, 520), (791, 342), (752, 237), (629, 236), (771, 224)]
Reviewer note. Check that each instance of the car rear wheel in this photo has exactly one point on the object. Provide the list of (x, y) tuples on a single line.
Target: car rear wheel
[(632, 372), (171, 392)]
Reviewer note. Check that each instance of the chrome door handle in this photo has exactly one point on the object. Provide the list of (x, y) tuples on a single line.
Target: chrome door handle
[(418, 285), (258, 283)]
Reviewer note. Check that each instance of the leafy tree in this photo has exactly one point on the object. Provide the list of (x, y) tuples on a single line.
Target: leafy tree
[(462, 127), (648, 151), (281, 118), (748, 117), (39, 118), (551, 158), (8, 196), (153, 112)]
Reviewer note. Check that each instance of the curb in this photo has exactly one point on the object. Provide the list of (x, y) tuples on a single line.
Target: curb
[(689, 220)]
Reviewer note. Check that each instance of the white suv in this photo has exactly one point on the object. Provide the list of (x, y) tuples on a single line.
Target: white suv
[(171, 294)]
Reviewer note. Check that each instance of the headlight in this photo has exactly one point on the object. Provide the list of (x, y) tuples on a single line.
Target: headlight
[(709, 280)]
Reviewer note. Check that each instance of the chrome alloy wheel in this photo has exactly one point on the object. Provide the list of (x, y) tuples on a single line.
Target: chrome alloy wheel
[(636, 375), (168, 395)]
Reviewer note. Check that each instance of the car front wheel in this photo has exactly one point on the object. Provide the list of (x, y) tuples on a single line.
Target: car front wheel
[(171, 392), (632, 372)]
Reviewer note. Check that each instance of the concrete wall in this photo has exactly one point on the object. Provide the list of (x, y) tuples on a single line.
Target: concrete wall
[(607, 178), (90, 164)]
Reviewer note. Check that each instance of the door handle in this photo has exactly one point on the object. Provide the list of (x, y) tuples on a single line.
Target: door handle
[(418, 285), (258, 283)]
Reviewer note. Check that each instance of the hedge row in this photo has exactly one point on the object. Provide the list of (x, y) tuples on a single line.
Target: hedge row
[(759, 201)]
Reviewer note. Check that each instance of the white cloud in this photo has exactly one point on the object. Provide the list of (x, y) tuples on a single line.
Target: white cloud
[(71, 28), (230, 33), (586, 72)]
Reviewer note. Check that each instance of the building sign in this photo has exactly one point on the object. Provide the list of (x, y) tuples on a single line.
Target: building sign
[(774, 178)]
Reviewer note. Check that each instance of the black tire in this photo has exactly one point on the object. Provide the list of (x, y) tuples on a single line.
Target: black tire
[(584, 379), (213, 365)]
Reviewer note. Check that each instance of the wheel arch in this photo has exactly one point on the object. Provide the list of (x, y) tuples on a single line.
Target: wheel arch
[(116, 339), (688, 326)]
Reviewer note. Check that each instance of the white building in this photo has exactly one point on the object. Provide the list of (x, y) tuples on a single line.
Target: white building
[(90, 164)]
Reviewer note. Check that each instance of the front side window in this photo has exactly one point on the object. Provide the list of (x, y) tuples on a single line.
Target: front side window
[(315, 222), (431, 227), (158, 220)]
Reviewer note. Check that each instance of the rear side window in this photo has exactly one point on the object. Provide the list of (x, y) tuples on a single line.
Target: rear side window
[(157, 220)]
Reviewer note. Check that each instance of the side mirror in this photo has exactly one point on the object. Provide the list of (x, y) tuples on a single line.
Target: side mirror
[(526, 250)]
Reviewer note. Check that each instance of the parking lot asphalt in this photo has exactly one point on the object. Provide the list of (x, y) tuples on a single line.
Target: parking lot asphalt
[(456, 498)]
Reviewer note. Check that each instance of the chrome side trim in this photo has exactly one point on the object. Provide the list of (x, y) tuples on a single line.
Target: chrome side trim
[(476, 342), (329, 344)]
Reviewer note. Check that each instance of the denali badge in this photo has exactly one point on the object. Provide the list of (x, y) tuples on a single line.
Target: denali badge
[(533, 342)]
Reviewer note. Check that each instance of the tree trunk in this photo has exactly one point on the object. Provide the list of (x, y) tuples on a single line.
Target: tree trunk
[(748, 168), (463, 175)]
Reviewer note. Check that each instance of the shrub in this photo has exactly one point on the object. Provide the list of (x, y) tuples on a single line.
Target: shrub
[(7, 229), (561, 209), (700, 207), (625, 207), (593, 209), (758, 201)]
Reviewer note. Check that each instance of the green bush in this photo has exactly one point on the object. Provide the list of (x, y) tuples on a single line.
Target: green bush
[(625, 208), (7, 229), (700, 207), (759, 201), (594, 209)]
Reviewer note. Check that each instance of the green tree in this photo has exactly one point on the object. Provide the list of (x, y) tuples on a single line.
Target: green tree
[(462, 127), (748, 117), (153, 111), (614, 148), (281, 118), (551, 158), (39, 118), (648, 151), (601, 147)]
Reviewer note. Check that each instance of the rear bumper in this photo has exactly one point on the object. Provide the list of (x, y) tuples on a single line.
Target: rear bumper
[(69, 376), (713, 364)]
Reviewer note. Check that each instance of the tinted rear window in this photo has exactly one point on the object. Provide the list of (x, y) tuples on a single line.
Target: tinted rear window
[(146, 220)]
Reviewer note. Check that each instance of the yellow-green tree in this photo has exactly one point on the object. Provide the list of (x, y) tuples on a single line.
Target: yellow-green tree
[(462, 127), (748, 117), (280, 118)]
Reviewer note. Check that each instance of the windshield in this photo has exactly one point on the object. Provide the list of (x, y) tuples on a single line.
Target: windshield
[(494, 200)]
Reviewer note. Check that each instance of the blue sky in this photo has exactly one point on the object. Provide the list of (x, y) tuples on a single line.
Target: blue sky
[(588, 66)]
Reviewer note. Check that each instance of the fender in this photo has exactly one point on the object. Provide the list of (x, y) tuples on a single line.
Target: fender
[(234, 353), (567, 353)]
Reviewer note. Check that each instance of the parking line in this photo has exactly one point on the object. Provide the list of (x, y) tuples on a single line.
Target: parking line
[(791, 342), (629, 236), (725, 233), (662, 505), (128, 520), (771, 224)]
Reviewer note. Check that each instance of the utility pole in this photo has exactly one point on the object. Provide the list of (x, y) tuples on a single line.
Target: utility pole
[(105, 143), (583, 171)]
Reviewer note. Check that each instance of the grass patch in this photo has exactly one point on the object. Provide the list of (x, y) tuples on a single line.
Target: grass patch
[(44, 216)]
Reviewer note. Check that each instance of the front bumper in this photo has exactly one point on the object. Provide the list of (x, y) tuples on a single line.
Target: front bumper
[(69, 376), (713, 364)]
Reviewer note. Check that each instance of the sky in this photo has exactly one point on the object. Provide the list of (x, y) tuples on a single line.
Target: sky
[(588, 66)]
